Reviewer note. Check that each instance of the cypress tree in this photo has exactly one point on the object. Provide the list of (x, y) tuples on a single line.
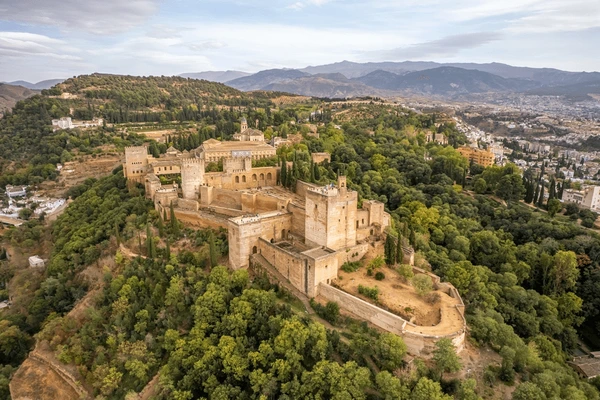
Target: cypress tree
[(412, 238), (312, 172), (536, 194), (399, 253), (390, 250), (541, 199), (552, 191), (212, 246), (148, 241), (317, 173), (168, 250), (174, 223), (283, 171), (561, 190)]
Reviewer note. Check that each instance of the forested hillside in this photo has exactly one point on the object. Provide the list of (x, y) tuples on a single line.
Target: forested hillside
[(165, 305), (30, 148)]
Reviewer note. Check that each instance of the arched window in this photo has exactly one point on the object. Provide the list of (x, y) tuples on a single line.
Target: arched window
[(262, 177), (254, 250), (237, 179), (244, 178), (253, 177), (269, 176)]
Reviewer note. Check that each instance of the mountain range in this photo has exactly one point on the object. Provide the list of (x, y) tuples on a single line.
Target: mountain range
[(47, 84), (350, 79), (10, 94)]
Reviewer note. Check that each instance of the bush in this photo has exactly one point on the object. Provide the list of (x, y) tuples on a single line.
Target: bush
[(405, 271), (375, 263), (330, 312), (422, 284), (350, 266), (380, 276), (432, 297), (372, 293)]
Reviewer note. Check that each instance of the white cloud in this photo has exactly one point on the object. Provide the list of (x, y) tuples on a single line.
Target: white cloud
[(22, 44), (97, 17)]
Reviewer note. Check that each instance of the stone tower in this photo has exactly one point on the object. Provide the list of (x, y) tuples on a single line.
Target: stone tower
[(192, 177), (244, 124), (331, 216), (136, 163)]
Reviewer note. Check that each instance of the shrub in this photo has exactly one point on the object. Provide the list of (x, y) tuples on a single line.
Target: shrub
[(405, 271), (422, 284), (370, 292), (329, 312), (432, 297), (350, 266), (380, 276), (375, 263)]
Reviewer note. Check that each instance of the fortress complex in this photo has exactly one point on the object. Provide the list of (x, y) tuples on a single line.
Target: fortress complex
[(306, 236), (301, 239)]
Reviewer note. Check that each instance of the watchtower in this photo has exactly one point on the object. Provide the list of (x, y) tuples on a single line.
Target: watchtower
[(192, 177)]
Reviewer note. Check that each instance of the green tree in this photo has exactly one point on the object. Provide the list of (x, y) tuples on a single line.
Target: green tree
[(445, 357), (390, 351), (426, 389), (510, 188), (554, 206), (399, 253), (528, 391), (390, 387), (390, 250), (214, 254), (480, 186), (564, 272)]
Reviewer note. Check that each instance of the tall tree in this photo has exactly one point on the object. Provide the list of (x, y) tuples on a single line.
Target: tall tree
[(540, 202), (552, 190), (399, 253), (390, 250), (214, 254)]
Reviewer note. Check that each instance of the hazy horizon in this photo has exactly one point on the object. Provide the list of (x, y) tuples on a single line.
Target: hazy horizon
[(53, 39)]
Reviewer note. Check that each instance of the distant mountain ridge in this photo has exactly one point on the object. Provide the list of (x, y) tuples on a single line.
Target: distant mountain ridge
[(216, 76), (47, 84), (351, 79)]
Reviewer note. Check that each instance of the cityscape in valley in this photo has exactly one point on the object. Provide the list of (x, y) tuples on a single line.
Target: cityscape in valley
[(378, 229)]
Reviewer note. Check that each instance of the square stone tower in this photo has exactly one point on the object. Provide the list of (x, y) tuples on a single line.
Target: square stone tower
[(331, 216), (192, 177), (136, 163)]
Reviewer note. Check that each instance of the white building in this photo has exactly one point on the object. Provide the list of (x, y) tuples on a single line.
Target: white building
[(63, 123), (36, 262), (498, 151), (16, 191), (588, 197)]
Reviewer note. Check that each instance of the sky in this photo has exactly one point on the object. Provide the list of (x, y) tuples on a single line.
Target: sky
[(47, 39)]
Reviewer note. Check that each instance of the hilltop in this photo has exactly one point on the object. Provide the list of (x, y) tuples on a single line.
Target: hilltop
[(10, 94)]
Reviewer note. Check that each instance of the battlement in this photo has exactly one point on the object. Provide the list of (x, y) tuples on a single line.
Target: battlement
[(135, 149), (191, 161)]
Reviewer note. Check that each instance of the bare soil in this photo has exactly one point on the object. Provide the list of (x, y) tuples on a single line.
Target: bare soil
[(439, 318), (396, 296)]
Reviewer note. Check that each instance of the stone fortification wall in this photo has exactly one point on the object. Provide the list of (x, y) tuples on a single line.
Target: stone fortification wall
[(377, 316), (417, 343), (287, 263)]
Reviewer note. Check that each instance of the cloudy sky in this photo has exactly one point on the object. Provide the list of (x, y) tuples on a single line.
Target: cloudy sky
[(44, 39)]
